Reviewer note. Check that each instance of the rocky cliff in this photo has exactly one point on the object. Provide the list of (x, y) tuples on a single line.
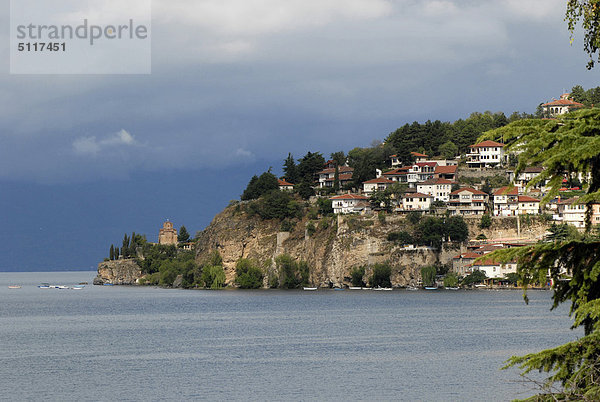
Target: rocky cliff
[(119, 272), (336, 245)]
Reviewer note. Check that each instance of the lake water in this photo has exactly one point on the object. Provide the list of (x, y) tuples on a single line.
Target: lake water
[(142, 343)]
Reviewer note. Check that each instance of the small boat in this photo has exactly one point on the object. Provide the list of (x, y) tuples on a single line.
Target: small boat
[(304, 288), (480, 285), (355, 288), (339, 289), (430, 288), (365, 288), (77, 287), (388, 289), (108, 284), (14, 286), (61, 287), (83, 283), (411, 288), (44, 286), (451, 288)]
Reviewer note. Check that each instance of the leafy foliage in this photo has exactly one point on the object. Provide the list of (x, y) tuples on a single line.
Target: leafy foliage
[(428, 275), (259, 186), (292, 274), (381, 276), (357, 274), (183, 235), (473, 278), (589, 13), (400, 237), (213, 276), (276, 205), (564, 147), (486, 222), (248, 275), (451, 280)]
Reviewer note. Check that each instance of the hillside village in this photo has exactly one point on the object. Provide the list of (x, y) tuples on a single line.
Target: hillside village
[(443, 205)]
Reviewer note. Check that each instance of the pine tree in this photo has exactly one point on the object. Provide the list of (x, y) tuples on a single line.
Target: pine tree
[(112, 252), (570, 144), (125, 247), (183, 235)]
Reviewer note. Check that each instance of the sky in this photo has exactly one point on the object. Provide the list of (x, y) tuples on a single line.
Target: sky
[(237, 84)]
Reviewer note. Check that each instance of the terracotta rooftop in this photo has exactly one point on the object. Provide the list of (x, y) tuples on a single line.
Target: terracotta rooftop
[(417, 195), (435, 181), (506, 190), (524, 198), (349, 197), (340, 169), (486, 144), (283, 182), (446, 169), (469, 189), (379, 180), (419, 155), (564, 102), (342, 177)]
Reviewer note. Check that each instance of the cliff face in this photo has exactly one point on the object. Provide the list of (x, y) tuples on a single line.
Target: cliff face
[(119, 272), (336, 246)]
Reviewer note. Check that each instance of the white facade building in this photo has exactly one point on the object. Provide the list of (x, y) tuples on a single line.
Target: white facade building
[(350, 203), (486, 154)]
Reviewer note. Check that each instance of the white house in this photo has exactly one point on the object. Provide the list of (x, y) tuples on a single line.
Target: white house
[(528, 205), (467, 201), (568, 211), (438, 188), (523, 178), (416, 201), (486, 154), (285, 185), (420, 172), (327, 176), (561, 106), (379, 184), (400, 175), (494, 269), (447, 172), (506, 201), (350, 203)]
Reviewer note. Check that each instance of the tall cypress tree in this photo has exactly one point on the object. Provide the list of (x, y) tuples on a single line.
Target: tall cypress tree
[(112, 252)]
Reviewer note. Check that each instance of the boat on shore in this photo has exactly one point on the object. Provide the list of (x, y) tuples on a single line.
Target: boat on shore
[(430, 288), (355, 288), (451, 288), (307, 288), (385, 289)]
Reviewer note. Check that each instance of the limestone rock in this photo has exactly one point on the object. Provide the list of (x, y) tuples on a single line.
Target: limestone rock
[(118, 272)]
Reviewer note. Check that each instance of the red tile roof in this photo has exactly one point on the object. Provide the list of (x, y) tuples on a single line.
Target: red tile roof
[(417, 195), (469, 189), (422, 164), (469, 255), (282, 182), (446, 169), (343, 177), (524, 198), (486, 144), (340, 169), (564, 102), (435, 181), (506, 190), (418, 155), (379, 180), (349, 197), (397, 172)]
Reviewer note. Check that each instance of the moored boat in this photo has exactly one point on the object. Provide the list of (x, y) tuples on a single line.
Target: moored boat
[(14, 286), (355, 288), (307, 288), (430, 288)]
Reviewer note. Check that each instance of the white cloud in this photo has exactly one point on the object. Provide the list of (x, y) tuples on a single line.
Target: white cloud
[(92, 146)]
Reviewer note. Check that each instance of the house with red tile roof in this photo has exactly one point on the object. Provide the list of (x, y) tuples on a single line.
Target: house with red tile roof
[(505, 201), (528, 205), (486, 154), (524, 177), (561, 106), (494, 269), (378, 184), (350, 203), (400, 174), (439, 189), (327, 176), (467, 201), (461, 264), (416, 202), (447, 172), (285, 185)]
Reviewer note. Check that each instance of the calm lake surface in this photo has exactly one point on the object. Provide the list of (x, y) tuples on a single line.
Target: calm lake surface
[(130, 343)]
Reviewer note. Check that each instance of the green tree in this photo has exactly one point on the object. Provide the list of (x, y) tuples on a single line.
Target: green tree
[(579, 94), (448, 150), (400, 237), (305, 190), (413, 217), (213, 276), (309, 166), (381, 276), (486, 222), (112, 252), (248, 275), (125, 247), (474, 278), (357, 274), (570, 144), (325, 206), (428, 275), (456, 229), (183, 235), (290, 169), (451, 280), (292, 274), (589, 13), (259, 186)]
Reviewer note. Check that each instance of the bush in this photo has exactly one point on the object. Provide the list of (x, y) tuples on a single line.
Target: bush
[(310, 228), (325, 206), (451, 280), (381, 217), (381, 276), (400, 237), (293, 274), (428, 275), (474, 277), (413, 217), (248, 275), (357, 275), (486, 222), (287, 226), (276, 205), (213, 276)]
